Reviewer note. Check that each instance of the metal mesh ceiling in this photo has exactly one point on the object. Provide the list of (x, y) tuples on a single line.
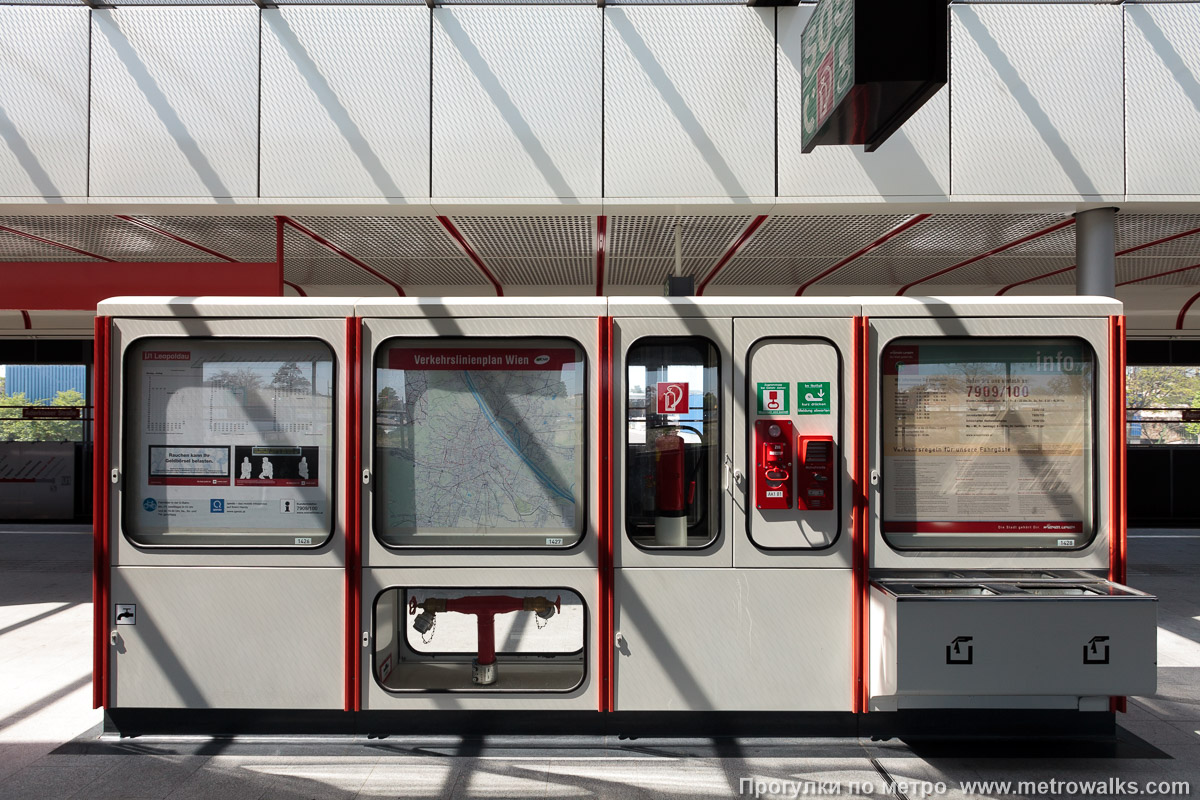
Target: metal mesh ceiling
[(1129, 269), (533, 250), (640, 250), (240, 238), (107, 236), (408, 250), (1137, 229)]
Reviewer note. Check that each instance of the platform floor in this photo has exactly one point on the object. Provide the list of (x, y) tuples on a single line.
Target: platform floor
[(50, 743)]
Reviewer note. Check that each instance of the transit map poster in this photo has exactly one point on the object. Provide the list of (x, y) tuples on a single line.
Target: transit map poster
[(988, 437), (479, 439), (230, 437)]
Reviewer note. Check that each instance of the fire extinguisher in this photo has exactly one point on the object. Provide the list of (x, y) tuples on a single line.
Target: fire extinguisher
[(670, 516)]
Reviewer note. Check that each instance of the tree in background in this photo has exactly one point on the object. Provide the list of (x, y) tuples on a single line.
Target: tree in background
[(1148, 388), (15, 429), (289, 378), (244, 379)]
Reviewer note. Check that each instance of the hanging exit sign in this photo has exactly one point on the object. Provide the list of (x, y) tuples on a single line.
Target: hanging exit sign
[(867, 66)]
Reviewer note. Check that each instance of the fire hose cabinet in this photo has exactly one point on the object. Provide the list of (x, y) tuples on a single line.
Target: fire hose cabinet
[(1067, 636), (480, 639)]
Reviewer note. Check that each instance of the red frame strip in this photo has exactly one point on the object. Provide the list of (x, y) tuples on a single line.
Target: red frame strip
[(989, 253), (1118, 254), (53, 243), (607, 613), (737, 245), (601, 245), (463, 245), (1118, 470), (860, 536), (352, 516), (894, 232), (100, 526), (27, 320), (280, 221)]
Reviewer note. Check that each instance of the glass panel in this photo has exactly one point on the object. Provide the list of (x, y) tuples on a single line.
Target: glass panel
[(1162, 405), (479, 443), (229, 442), (43, 451), (988, 443), (672, 443), (493, 639)]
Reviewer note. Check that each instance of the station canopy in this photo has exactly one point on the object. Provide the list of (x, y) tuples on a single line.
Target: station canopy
[(1030, 253)]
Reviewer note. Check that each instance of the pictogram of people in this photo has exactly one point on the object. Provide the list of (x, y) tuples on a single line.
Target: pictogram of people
[(247, 468), (268, 469), (303, 468)]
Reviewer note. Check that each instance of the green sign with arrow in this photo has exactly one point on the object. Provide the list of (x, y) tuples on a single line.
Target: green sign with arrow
[(812, 397)]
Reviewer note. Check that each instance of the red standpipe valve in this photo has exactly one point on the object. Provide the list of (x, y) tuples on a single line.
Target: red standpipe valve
[(485, 609)]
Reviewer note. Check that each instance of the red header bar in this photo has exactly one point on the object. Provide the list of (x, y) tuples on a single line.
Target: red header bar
[(481, 358), (65, 285)]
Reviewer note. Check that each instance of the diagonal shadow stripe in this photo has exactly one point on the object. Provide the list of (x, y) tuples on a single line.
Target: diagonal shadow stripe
[(161, 105), (1021, 92), (675, 101), (28, 161), (337, 111), (508, 108), (1171, 58)]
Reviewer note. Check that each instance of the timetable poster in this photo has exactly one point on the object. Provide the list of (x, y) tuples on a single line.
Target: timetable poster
[(987, 438), (235, 435)]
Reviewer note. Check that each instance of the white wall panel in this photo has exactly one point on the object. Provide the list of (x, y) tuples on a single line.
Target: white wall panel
[(1162, 98), (345, 102), (689, 106), (914, 161), (175, 102), (1036, 105), (43, 101), (516, 102)]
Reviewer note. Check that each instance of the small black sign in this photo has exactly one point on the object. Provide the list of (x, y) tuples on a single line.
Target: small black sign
[(960, 651), (126, 614), (1096, 650)]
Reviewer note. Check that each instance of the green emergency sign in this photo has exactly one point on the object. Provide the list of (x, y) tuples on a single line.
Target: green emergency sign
[(812, 397)]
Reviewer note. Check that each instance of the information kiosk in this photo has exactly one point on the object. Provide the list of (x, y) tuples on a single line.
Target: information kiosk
[(994, 507), (221, 576), (733, 585), (837, 505), (480, 503)]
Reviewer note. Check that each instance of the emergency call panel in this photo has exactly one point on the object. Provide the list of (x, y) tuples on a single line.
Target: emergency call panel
[(794, 464), (774, 465), (814, 472)]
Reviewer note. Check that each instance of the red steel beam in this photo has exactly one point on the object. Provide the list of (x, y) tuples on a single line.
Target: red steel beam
[(330, 246), (175, 237), (1119, 253), (43, 240), (465, 246), (1183, 311), (896, 231), (601, 245), (296, 286), (989, 253), (1158, 275), (28, 321), (737, 245)]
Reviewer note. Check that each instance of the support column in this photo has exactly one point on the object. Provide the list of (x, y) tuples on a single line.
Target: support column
[(1095, 252)]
